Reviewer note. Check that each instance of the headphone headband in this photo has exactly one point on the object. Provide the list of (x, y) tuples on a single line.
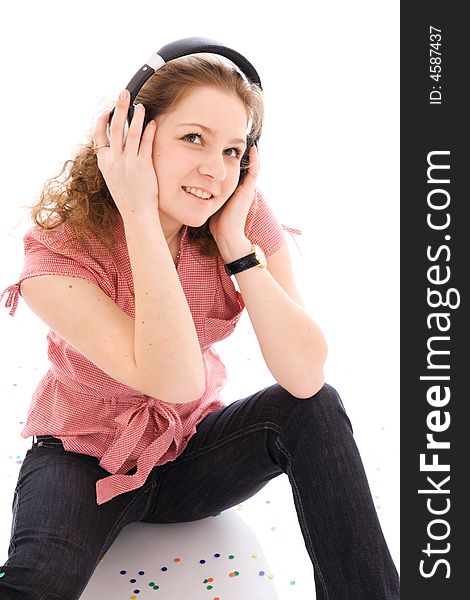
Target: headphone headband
[(184, 47)]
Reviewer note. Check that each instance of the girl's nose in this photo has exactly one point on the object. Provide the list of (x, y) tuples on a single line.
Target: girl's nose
[(213, 165)]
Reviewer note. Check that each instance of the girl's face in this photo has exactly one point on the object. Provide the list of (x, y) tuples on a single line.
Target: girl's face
[(198, 145)]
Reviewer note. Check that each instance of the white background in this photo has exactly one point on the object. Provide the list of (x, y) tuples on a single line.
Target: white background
[(329, 166)]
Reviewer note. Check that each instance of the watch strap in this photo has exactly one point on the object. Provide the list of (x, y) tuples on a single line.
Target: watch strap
[(241, 264)]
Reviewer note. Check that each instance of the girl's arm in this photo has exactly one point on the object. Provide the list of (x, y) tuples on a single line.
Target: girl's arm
[(292, 344), (158, 352)]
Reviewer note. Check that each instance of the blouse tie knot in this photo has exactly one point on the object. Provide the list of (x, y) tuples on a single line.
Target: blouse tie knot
[(12, 298)]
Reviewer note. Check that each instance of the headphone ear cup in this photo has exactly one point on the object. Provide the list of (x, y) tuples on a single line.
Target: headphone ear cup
[(127, 122)]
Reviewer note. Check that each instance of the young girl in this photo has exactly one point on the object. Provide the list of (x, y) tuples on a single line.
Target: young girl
[(130, 264)]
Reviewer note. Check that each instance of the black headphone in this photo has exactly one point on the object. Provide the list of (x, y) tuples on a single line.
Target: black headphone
[(183, 47)]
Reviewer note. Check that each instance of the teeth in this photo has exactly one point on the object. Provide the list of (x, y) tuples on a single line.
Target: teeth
[(197, 192)]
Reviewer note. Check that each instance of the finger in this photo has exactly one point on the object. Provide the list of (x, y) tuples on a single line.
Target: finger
[(117, 123), (146, 143), (253, 169), (98, 132), (249, 182), (135, 130)]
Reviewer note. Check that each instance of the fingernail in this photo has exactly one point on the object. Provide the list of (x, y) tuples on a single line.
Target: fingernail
[(123, 95)]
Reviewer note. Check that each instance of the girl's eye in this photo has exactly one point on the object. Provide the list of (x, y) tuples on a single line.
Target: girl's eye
[(236, 152), (192, 135)]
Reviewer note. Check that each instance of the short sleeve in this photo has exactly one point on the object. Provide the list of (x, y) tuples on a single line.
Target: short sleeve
[(263, 227), (53, 252)]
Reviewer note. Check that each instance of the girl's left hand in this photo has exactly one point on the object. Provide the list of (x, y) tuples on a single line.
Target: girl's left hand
[(229, 222)]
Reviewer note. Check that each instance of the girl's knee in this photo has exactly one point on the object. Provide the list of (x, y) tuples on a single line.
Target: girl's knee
[(329, 394), (326, 395), (331, 402), (278, 406), (325, 406)]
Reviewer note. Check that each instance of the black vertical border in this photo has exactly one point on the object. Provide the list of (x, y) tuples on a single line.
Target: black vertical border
[(425, 128)]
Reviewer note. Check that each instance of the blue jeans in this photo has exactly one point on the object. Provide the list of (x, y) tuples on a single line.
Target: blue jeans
[(59, 529)]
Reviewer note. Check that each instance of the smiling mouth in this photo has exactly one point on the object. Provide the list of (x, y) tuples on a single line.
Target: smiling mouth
[(195, 195)]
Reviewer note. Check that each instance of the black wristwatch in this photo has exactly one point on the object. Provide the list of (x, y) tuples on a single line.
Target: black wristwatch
[(256, 258)]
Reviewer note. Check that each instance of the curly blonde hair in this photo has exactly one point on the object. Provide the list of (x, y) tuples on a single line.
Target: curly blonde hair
[(79, 194)]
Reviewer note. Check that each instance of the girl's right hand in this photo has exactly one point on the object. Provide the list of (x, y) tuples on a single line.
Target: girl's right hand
[(127, 167)]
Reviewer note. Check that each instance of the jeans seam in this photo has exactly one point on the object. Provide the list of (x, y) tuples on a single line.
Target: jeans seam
[(252, 429), (16, 501), (118, 520), (302, 519), (121, 516)]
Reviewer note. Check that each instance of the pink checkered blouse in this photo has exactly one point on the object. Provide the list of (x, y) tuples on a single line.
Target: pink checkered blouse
[(93, 413)]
